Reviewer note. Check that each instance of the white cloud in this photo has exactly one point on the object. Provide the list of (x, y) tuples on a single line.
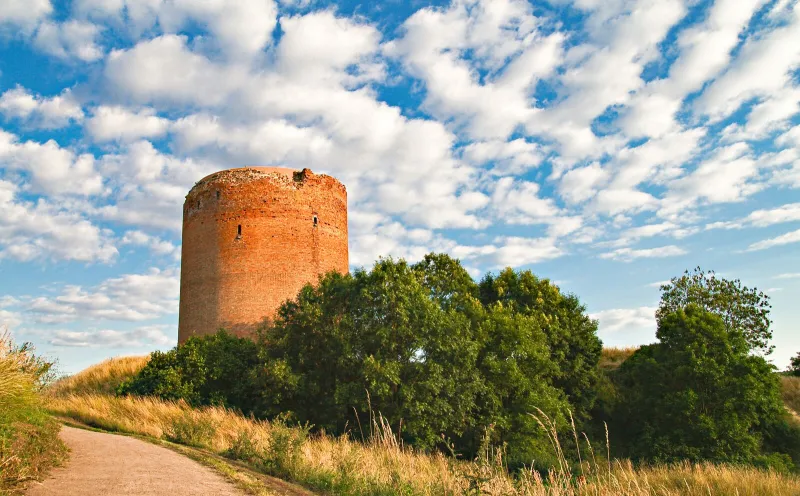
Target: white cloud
[(41, 230), (506, 157), (788, 275), (240, 29), (155, 244), (70, 40), (110, 123), (582, 183), (319, 47), (130, 297), (730, 176), (164, 70), (51, 169), (48, 113), (762, 218), (629, 254), (784, 239), (106, 338), (762, 67), (624, 319), (24, 13), (149, 186)]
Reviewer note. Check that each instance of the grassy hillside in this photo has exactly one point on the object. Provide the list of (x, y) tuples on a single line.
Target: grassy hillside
[(29, 443), (381, 464), (102, 378), (790, 389), (612, 358)]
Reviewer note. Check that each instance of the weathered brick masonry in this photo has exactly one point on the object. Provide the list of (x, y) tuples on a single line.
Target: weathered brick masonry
[(252, 237)]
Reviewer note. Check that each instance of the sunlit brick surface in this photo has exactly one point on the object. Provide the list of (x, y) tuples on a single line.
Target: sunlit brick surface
[(233, 281)]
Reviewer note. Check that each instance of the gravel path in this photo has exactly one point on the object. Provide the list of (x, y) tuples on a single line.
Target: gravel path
[(108, 465)]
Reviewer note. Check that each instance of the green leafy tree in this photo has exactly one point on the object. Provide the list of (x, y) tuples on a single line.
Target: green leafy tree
[(742, 309), (207, 370), (698, 394), (569, 332), (372, 342)]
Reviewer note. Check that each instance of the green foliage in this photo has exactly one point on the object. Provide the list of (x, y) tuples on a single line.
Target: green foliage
[(699, 395), (569, 333), (742, 309), (373, 341), (207, 370), (416, 344), (794, 365)]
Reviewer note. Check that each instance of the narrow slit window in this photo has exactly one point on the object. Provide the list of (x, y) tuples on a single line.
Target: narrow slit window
[(316, 221), (218, 195), (239, 230)]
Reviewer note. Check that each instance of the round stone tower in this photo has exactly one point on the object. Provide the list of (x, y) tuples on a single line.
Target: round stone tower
[(252, 237)]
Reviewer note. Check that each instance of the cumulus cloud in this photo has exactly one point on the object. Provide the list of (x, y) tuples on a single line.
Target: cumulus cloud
[(130, 297), (624, 319), (43, 112), (155, 244), (24, 14), (69, 40), (50, 169), (109, 123), (42, 230)]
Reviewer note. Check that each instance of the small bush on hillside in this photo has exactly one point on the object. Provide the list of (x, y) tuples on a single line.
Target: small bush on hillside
[(699, 395), (207, 370), (794, 367)]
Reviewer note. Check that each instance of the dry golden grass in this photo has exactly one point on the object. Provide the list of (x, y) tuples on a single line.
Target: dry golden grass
[(790, 390), (381, 465), (29, 443), (612, 358), (102, 378)]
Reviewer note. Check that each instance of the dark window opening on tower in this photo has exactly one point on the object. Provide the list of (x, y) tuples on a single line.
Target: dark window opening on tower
[(239, 232), (315, 220), (217, 195)]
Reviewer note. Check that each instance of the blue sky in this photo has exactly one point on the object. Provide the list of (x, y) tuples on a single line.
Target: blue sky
[(606, 144)]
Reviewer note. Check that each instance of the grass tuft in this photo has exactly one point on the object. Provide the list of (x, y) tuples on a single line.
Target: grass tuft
[(29, 443)]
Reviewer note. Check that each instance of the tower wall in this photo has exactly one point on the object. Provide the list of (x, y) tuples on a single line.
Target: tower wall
[(252, 238)]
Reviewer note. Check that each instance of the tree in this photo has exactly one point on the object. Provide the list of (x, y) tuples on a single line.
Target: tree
[(794, 365), (698, 394), (372, 342), (742, 309), (569, 332), (208, 370)]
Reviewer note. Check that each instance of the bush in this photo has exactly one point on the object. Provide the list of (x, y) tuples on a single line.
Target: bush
[(699, 395), (794, 367), (207, 370)]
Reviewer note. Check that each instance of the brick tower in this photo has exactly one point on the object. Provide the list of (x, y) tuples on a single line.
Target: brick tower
[(252, 237)]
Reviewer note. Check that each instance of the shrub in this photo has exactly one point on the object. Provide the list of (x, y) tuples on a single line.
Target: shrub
[(699, 395), (794, 367), (207, 370), (742, 309)]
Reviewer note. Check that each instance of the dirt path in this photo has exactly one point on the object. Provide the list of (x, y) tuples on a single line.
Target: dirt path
[(109, 465)]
